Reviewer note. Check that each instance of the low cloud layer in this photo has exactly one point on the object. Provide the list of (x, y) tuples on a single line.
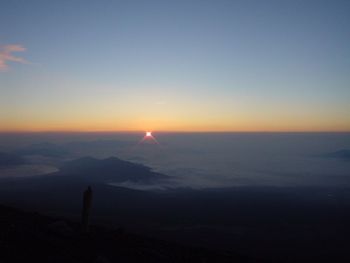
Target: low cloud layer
[(7, 56)]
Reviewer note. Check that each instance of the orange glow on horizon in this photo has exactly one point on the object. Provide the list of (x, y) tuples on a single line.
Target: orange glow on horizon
[(194, 123), (175, 129)]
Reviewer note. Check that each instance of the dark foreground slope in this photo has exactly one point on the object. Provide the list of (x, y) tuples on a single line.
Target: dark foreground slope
[(31, 237), (278, 224)]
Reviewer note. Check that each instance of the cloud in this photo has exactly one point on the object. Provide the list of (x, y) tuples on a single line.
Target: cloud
[(6, 55), (161, 102)]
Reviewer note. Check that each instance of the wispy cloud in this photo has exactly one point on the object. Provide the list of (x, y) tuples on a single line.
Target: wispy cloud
[(161, 102), (6, 55)]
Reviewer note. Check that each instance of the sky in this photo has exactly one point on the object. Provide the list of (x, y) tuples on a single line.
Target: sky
[(175, 65)]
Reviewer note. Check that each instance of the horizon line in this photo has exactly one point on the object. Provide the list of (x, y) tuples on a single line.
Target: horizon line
[(174, 131)]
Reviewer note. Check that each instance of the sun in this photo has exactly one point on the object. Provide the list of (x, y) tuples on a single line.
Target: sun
[(149, 138)]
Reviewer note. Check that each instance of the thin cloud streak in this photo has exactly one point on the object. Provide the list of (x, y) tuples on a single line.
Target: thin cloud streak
[(6, 55)]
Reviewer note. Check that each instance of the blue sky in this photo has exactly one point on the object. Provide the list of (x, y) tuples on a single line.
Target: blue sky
[(176, 65)]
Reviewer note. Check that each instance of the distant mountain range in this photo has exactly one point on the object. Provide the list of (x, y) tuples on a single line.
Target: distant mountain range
[(71, 148), (10, 159), (111, 169), (341, 154), (43, 149)]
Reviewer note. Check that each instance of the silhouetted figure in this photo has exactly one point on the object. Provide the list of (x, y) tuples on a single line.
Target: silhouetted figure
[(87, 202)]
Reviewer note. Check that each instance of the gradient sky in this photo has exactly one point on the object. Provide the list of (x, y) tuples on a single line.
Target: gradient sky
[(175, 65)]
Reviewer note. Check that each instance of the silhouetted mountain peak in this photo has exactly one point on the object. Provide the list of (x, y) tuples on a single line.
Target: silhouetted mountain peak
[(83, 160)]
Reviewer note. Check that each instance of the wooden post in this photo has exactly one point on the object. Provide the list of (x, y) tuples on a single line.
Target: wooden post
[(87, 202)]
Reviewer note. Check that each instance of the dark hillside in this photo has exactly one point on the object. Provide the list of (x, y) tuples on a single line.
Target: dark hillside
[(31, 237)]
